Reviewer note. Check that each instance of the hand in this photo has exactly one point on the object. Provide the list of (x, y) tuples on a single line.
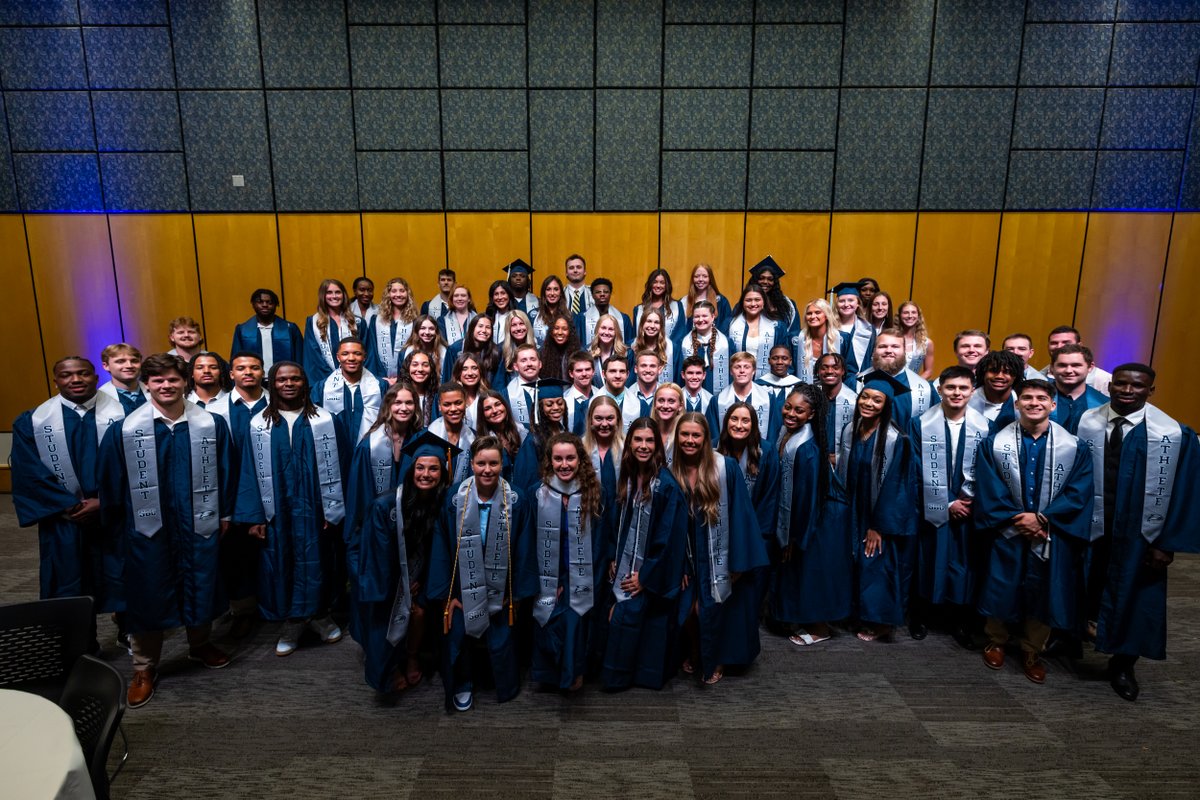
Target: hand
[(1158, 559), (684, 584), (325, 525), (558, 595), (612, 570), (414, 588), (873, 544), (1027, 524), (258, 531), (85, 509), (448, 617), (224, 527), (960, 509), (631, 585)]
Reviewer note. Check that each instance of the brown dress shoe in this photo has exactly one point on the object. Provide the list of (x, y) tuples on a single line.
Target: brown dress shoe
[(209, 655), (993, 656), (1035, 670), (141, 688)]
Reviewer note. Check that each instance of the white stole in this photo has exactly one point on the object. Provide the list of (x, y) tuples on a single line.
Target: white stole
[(937, 457), (333, 399), (739, 331), (846, 445), (1056, 468), (717, 348), (50, 436), (787, 479), (328, 463)]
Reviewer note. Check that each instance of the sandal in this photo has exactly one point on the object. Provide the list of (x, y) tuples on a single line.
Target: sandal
[(687, 667), (715, 678), (399, 682), (873, 635), (413, 675), (804, 639)]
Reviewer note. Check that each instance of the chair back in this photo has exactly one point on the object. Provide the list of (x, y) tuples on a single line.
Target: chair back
[(41, 641), (94, 698)]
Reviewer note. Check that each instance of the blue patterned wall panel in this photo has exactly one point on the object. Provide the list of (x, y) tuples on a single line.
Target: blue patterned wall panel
[(396, 119), (797, 55), (699, 180), (1185, 10), (560, 42), (484, 119), (1049, 180), (123, 12), (627, 149), (129, 58), (1146, 118), (628, 43), (50, 121), (136, 120), (879, 149), (1065, 55), (482, 55), (304, 43), (781, 181), (144, 181), (1049, 118), (39, 12), (226, 134), (798, 10), (1071, 10), (707, 55), (1128, 179), (1155, 54), (710, 10), (887, 42), (696, 119), (8, 186), (312, 151), (794, 118), (561, 149), (392, 12), (58, 182), (42, 58), (400, 181), (393, 56), (976, 43), (216, 45), (487, 181), (966, 148), (1189, 193), (512, 11)]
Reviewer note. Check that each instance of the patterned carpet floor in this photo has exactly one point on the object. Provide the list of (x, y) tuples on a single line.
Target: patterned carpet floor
[(843, 720)]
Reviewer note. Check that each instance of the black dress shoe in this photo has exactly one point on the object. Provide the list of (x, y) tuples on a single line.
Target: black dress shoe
[(964, 638), (918, 630), (1124, 684)]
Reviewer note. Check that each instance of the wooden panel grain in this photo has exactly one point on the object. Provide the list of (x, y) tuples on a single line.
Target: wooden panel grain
[(479, 244), (952, 275), (237, 254), (1119, 289), (799, 243), (410, 246), (312, 248), (155, 263), (1178, 384), (620, 247), (1037, 274), (76, 292), (22, 361), (873, 244), (715, 238)]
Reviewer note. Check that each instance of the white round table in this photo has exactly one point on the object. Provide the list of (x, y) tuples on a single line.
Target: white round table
[(40, 756)]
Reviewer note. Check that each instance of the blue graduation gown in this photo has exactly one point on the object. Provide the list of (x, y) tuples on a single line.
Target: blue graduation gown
[(316, 368), (1019, 585), (1068, 412), (500, 636), (814, 583), (171, 578), (948, 558), (902, 405), (642, 628), (1133, 607), (286, 342), (882, 581), (729, 630), (296, 571), (764, 500), (350, 417), (75, 558)]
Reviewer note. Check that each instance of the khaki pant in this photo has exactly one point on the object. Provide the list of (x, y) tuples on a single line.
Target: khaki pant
[(147, 647), (1034, 634)]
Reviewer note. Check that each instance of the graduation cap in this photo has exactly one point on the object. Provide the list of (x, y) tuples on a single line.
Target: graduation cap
[(882, 382), (430, 444), (549, 388), (846, 288), (767, 265), (518, 266)]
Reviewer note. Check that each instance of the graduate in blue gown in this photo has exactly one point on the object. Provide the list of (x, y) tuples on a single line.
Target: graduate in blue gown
[(55, 477), (877, 465), (858, 335), (551, 418), (840, 397), (1033, 500), (767, 274), (291, 492), (1069, 366), (766, 403), (390, 582), (324, 329), (352, 393), (388, 331), (571, 520), (813, 581), (480, 568), (1144, 510), (995, 376), (165, 494), (267, 334), (647, 565), (123, 363), (702, 287), (756, 329), (719, 602), (494, 418)]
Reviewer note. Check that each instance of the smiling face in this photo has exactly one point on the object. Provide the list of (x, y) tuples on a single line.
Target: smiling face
[(602, 418), (814, 317), (642, 443), (970, 349), (460, 298), (420, 368), (561, 332), (468, 374), (428, 331), (185, 337), (553, 408), (847, 306), (564, 460), (483, 329), (1034, 404), (909, 315), (606, 332), (648, 368), (75, 380), (1070, 371), (999, 382), (871, 403), (500, 298), (453, 407), (335, 298), (796, 412), (581, 374), (1021, 346), (780, 360), (486, 466), (658, 287), (616, 372), (517, 328), (742, 372), (364, 292), (689, 439), (752, 304), (955, 393), (651, 326), (427, 472), (553, 292), (889, 354), (124, 366), (403, 407), (880, 308), (165, 389), (528, 364), (666, 405), (288, 385), (738, 424), (693, 377), (701, 280), (494, 411), (830, 373), (397, 294), (702, 320), (350, 356)]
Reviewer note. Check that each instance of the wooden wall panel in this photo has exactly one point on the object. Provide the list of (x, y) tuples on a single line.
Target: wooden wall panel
[(313, 247), (479, 244), (76, 292), (878, 245), (620, 247), (1037, 275), (155, 259), (22, 361), (688, 238), (1119, 290), (952, 275), (799, 243), (237, 253), (411, 246), (1178, 386)]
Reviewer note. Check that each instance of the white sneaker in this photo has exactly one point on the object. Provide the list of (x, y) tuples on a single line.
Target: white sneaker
[(326, 628), (463, 701), (289, 638)]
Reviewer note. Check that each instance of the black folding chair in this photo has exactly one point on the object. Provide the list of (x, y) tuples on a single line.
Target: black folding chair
[(41, 641), (94, 698)]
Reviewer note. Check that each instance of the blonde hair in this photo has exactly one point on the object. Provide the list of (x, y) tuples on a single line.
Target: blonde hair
[(919, 331), (618, 438), (118, 348), (322, 315), (509, 350), (705, 496), (619, 348), (833, 339), (387, 310), (678, 390), (183, 322)]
